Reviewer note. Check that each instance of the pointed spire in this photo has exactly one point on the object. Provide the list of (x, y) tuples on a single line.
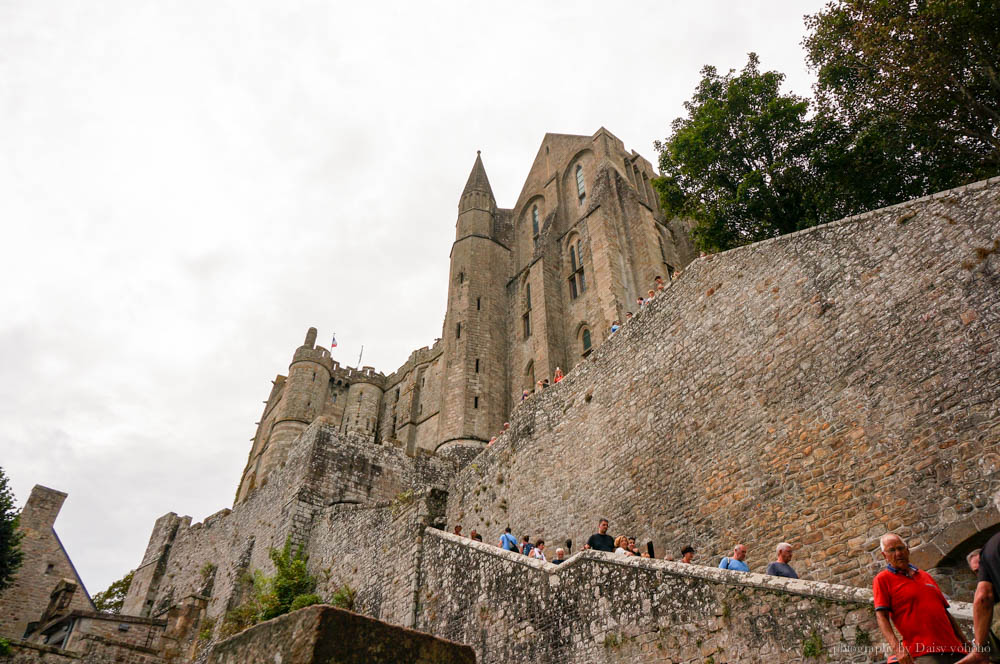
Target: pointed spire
[(478, 180)]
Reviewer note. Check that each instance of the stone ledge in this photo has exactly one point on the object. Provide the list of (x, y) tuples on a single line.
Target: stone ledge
[(847, 221), (327, 635), (803, 587)]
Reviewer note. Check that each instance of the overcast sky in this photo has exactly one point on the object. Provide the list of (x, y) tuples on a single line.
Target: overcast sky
[(186, 187)]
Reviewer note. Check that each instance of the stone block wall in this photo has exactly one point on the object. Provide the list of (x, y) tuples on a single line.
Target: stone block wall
[(820, 388), (94, 649), (325, 635), (349, 469), (45, 564), (123, 630), (411, 403), (303, 501), (600, 608), (23, 652), (375, 549)]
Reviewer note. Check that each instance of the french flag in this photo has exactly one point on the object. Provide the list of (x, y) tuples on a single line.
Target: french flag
[(333, 343)]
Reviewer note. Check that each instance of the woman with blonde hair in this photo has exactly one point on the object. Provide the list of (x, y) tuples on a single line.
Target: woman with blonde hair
[(621, 546)]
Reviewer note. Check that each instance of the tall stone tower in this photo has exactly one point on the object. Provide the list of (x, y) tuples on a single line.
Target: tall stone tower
[(474, 391)]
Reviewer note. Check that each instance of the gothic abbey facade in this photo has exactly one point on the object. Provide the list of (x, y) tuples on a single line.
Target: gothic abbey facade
[(531, 288)]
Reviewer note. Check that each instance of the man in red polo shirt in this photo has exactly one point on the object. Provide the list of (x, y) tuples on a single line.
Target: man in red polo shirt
[(913, 601)]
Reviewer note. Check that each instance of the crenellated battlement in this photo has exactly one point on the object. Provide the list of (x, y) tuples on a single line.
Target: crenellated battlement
[(420, 356), (347, 376)]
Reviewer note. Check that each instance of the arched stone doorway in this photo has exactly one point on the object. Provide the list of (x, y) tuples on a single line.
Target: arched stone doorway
[(944, 556)]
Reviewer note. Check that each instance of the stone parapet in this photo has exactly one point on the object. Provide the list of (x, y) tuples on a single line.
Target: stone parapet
[(599, 607)]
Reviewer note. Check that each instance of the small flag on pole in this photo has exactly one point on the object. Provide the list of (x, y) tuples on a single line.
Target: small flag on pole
[(333, 343)]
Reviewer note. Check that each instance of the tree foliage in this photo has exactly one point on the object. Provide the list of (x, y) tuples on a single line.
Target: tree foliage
[(292, 587), (292, 579), (10, 537), (741, 163), (907, 103), (924, 70), (112, 598)]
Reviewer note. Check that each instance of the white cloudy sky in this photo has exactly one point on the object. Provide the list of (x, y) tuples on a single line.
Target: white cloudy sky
[(185, 187)]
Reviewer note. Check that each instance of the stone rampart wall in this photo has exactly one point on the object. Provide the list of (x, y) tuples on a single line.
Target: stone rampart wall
[(353, 470), (211, 557), (375, 550), (303, 501), (600, 608), (820, 388)]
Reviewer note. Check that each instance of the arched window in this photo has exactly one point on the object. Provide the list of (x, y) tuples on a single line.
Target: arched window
[(534, 223), (580, 190), (577, 283), (586, 342)]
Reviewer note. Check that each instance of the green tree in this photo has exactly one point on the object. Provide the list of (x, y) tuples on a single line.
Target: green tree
[(919, 75), (741, 164), (10, 536), (112, 599)]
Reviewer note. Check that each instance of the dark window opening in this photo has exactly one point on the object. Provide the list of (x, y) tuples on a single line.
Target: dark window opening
[(458, 331), (475, 402), (477, 366), (577, 282), (586, 343), (526, 318), (479, 303), (461, 277)]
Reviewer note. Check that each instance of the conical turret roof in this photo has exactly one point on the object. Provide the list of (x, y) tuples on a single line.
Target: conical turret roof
[(477, 179)]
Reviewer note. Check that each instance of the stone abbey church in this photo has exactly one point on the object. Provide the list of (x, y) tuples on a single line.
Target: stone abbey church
[(819, 389), (531, 288)]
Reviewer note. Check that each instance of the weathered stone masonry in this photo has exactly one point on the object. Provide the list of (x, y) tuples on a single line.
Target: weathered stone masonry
[(313, 498), (45, 565), (819, 388), (598, 607)]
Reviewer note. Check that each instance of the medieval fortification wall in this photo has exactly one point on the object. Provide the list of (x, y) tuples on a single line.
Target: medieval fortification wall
[(820, 389), (313, 501)]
